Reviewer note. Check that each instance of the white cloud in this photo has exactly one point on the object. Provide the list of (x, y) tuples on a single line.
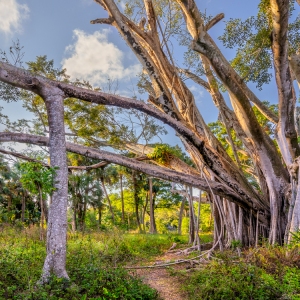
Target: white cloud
[(197, 91), (11, 15), (92, 57)]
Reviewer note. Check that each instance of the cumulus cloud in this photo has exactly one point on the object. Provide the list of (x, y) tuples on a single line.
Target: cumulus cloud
[(11, 15), (92, 57)]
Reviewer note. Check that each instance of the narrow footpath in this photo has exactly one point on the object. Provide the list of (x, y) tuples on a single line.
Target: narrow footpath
[(160, 278)]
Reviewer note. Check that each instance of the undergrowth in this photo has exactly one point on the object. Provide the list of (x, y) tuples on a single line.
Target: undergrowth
[(263, 273), (94, 264)]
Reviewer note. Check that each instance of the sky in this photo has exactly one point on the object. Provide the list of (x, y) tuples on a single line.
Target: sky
[(61, 30)]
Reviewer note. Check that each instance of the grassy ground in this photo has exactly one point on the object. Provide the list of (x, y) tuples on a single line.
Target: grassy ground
[(95, 260), (94, 264)]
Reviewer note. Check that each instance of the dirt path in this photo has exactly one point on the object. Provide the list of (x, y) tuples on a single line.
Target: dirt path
[(160, 279)]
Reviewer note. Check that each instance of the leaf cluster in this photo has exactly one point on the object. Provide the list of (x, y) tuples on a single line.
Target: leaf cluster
[(252, 39), (36, 177), (163, 153)]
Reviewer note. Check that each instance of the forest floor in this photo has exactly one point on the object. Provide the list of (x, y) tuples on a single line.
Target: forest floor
[(162, 278)]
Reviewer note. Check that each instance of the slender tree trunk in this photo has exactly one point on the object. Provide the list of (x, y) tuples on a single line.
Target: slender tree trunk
[(136, 200), (122, 199), (198, 243), (181, 214), (145, 210), (57, 225), (108, 200), (23, 207), (192, 216), (99, 216), (80, 212), (73, 222), (152, 204), (42, 234), (9, 204)]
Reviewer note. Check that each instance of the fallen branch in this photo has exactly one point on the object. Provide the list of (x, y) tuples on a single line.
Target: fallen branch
[(181, 261)]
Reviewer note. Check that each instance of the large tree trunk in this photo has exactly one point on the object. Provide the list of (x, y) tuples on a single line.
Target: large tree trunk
[(57, 221)]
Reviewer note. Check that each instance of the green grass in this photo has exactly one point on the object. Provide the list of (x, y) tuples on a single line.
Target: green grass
[(94, 264)]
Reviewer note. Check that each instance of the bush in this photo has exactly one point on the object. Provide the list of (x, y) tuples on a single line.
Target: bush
[(241, 281), (263, 273)]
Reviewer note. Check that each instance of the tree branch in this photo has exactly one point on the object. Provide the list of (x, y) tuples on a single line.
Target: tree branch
[(195, 78), (108, 21), (152, 170), (24, 157), (286, 131), (214, 21), (222, 168)]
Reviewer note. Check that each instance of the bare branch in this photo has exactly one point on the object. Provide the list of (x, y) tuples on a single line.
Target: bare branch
[(24, 157), (214, 21), (108, 21), (195, 78)]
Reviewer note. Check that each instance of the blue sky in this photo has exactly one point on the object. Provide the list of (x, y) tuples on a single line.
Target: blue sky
[(61, 30)]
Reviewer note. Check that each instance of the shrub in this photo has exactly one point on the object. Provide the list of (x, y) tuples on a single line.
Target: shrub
[(241, 281)]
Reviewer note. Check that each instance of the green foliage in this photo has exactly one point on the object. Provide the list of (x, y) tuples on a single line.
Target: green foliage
[(89, 262), (252, 39), (295, 238), (267, 126), (145, 246), (239, 281), (34, 176), (264, 273), (163, 153), (44, 67)]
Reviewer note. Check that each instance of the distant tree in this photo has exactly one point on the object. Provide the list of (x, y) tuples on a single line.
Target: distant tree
[(38, 180)]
